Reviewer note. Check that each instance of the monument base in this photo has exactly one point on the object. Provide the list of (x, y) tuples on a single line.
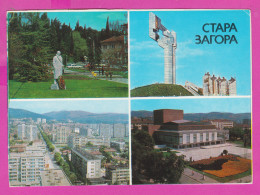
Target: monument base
[(54, 87)]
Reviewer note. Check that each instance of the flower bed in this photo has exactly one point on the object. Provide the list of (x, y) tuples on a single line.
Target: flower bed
[(232, 168), (214, 163)]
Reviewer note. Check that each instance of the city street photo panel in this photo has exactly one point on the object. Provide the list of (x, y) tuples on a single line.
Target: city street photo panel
[(68, 143)]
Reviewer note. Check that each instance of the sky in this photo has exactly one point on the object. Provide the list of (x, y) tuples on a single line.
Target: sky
[(191, 105), (95, 106), (95, 20), (192, 60)]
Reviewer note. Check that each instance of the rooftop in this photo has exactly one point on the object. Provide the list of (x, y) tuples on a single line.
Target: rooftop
[(114, 39)]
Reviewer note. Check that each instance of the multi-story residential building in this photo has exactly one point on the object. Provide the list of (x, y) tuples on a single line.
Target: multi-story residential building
[(106, 130), (218, 86), (119, 130), (118, 174), (61, 134), (27, 132), (86, 164), (25, 168), (77, 141), (44, 120), (221, 124), (21, 131), (39, 120), (117, 145)]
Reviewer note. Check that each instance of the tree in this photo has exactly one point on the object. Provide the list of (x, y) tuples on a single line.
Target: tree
[(151, 163)]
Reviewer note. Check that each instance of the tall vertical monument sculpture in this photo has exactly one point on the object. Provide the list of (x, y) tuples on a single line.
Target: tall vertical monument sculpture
[(168, 42)]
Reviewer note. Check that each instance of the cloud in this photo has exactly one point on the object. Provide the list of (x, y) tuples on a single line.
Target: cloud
[(184, 49)]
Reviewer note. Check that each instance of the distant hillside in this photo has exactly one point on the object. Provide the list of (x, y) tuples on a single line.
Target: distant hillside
[(20, 113), (217, 115), (160, 90), (87, 117), (199, 116), (76, 116)]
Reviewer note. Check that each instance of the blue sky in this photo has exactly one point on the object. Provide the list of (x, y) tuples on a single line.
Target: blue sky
[(202, 105), (192, 60), (95, 106), (95, 20)]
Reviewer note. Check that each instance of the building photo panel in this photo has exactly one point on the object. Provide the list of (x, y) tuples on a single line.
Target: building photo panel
[(191, 141), (68, 143)]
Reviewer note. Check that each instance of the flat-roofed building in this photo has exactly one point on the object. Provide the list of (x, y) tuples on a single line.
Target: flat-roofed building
[(86, 164), (25, 168), (222, 123), (118, 174), (171, 129)]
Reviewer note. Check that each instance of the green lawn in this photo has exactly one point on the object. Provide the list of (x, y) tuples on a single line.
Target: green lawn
[(160, 90), (76, 88), (240, 143)]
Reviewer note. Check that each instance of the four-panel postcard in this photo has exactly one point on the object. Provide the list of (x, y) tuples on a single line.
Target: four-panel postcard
[(129, 97)]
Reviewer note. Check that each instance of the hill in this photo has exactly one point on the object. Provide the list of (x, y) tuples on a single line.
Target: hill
[(75, 116), (88, 117), (199, 116), (20, 113), (160, 90)]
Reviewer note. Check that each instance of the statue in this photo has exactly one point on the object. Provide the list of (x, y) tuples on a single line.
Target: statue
[(168, 42), (58, 70)]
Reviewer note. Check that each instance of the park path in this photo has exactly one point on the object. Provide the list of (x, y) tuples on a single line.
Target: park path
[(115, 78), (193, 177)]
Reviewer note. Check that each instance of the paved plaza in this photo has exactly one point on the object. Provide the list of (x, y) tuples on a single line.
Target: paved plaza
[(206, 152)]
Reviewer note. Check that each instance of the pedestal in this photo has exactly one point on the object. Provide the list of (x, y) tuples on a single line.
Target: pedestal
[(54, 87)]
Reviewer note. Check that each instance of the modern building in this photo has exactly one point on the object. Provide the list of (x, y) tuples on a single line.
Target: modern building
[(86, 164), (117, 145), (171, 129), (118, 174), (218, 86), (119, 130), (39, 120), (44, 120), (27, 132), (77, 141), (25, 168), (61, 134), (222, 124)]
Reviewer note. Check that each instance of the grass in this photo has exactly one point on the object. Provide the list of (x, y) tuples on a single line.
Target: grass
[(77, 87), (240, 143), (160, 90)]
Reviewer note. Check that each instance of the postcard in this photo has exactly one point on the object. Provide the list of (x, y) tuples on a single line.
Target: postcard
[(190, 53)]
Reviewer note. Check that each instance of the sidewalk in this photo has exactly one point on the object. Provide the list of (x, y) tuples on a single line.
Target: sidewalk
[(193, 177)]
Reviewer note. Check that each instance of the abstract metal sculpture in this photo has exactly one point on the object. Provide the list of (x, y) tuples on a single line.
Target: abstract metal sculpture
[(168, 43)]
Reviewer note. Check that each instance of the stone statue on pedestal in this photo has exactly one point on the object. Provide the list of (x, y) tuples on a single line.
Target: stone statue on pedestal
[(58, 69)]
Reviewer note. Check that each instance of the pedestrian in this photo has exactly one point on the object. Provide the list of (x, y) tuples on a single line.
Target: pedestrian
[(102, 70)]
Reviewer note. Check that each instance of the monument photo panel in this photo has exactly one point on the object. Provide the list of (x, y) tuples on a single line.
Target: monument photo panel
[(68, 143), (190, 53), (67, 54), (191, 141)]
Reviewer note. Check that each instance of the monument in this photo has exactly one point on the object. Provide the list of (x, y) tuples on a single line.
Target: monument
[(168, 43), (58, 69)]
